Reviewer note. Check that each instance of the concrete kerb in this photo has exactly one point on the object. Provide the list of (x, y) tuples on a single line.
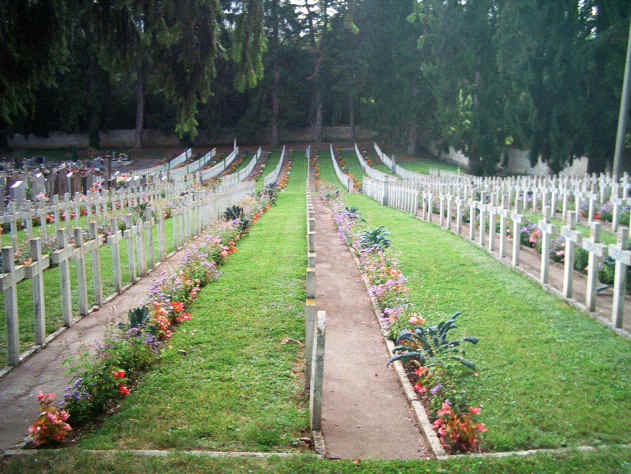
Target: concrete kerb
[(547, 287), (154, 453)]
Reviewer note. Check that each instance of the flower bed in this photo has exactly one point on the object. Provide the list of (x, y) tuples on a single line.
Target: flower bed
[(102, 379), (435, 365)]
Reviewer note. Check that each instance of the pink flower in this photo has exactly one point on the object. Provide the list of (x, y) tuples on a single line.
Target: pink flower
[(475, 411)]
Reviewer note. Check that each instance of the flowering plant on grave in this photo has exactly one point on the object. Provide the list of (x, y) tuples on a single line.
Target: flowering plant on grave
[(458, 432), (606, 212), (50, 427), (557, 250)]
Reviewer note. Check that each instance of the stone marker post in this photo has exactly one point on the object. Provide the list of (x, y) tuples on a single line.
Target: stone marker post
[(35, 271), (9, 281), (622, 256), (317, 373), (61, 257), (546, 230), (573, 238), (517, 218)]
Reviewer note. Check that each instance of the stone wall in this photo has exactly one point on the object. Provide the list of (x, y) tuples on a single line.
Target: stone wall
[(125, 138), (517, 162)]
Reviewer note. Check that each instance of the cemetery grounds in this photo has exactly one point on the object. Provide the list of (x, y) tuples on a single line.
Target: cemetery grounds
[(550, 377)]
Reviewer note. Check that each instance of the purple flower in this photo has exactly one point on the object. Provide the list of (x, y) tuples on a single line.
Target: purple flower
[(436, 389)]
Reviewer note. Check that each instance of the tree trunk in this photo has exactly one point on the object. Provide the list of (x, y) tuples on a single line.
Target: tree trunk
[(93, 112), (317, 124), (140, 103), (276, 72), (412, 138), (351, 115), (275, 137)]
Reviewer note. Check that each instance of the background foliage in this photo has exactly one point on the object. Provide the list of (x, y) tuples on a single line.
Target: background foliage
[(480, 76)]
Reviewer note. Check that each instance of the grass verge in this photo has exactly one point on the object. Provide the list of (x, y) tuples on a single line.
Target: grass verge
[(238, 386)]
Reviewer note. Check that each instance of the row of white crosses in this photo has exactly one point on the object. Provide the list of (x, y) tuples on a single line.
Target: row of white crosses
[(393, 194), (482, 212), (191, 215), (98, 206), (545, 191)]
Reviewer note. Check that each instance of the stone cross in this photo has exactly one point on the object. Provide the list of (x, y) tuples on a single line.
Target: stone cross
[(572, 238), (517, 218), (472, 207), (504, 214), (9, 279), (113, 241), (546, 230), (592, 197), (482, 229), (140, 248), (459, 204), (79, 257), (148, 227), (449, 207), (566, 195), (56, 212), (597, 251), (161, 244), (622, 257), (492, 213), (94, 246), (128, 234), (553, 202), (61, 257), (35, 271), (441, 221)]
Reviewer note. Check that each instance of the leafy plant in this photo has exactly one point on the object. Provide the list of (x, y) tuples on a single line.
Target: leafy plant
[(429, 345), (375, 238), (233, 212), (137, 318)]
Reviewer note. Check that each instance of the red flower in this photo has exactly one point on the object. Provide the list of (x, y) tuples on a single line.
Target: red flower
[(124, 391), (118, 374)]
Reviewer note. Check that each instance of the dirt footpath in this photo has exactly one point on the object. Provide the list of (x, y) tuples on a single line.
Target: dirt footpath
[(365, 413)]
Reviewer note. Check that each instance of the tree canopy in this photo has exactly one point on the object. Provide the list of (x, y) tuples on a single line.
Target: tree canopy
[(481, 76)]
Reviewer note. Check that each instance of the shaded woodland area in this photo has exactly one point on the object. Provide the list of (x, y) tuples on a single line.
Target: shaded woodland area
[(478, 75)]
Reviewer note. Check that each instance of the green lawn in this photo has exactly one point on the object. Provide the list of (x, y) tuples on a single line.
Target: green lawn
[(550, 376), (238, 387), (421, 165)]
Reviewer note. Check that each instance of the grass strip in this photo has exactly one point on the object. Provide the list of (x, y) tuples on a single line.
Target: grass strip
[(72, 461), (238, 386), (550, 376)]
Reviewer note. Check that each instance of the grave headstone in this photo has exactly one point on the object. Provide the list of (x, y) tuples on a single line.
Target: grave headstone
[(17, 192)]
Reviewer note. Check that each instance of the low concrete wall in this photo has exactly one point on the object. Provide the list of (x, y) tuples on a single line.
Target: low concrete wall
[(125, 138), (517, 162)]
